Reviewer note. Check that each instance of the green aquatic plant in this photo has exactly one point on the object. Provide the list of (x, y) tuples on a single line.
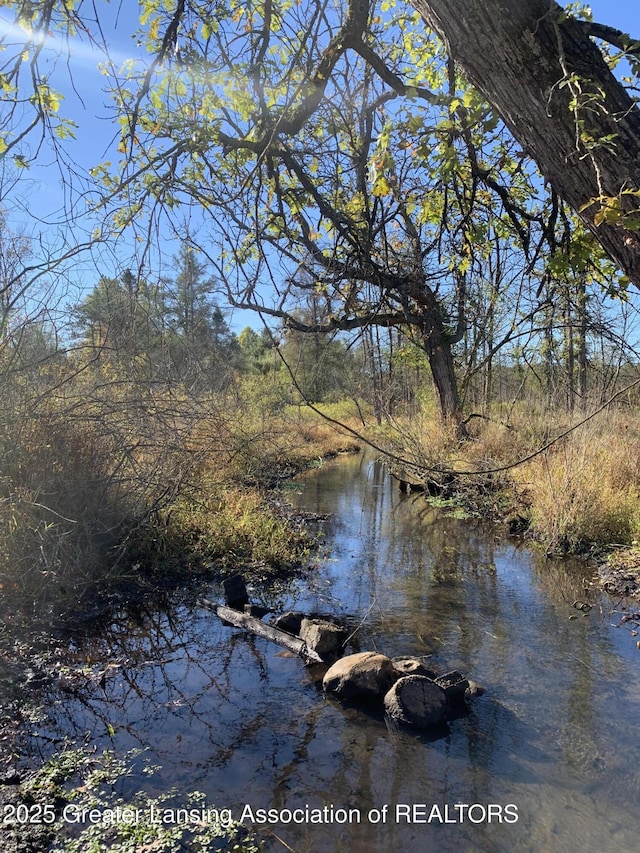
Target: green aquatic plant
[(73, 804), (455, 510)]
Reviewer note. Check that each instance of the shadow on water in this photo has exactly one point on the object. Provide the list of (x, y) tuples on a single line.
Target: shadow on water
[(557, 733)]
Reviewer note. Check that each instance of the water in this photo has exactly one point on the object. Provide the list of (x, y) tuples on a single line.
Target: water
[(556, 737)]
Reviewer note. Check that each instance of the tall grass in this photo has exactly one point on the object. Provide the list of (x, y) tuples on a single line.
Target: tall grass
[(584, 490)]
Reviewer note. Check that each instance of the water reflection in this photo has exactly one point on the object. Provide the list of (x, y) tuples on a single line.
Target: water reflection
[(556, 734)]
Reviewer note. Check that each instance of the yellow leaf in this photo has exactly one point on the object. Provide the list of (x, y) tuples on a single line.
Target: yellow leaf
[(381, 186)]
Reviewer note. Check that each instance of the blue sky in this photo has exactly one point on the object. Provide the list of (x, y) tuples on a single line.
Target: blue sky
[(96, 128), (42, 193), (624, 14)]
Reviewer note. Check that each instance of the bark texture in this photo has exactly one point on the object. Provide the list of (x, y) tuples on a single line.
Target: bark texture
[(440, 357), (268, 632), (522, 54)]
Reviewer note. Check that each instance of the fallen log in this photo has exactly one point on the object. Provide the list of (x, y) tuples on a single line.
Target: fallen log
[(268, 632)]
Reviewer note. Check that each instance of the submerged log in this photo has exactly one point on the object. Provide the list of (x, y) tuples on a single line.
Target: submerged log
[(441, 487), (453, 684), (267, 632)]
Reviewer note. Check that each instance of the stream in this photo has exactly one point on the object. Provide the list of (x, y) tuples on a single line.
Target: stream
[(555, 737)]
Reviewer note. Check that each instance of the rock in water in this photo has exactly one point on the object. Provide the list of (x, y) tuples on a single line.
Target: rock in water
[(413, 666), (289, 621), (416, 700), (323, 637), (366, 675)]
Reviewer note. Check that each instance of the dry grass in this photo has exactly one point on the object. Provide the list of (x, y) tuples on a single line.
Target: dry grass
[(108, 483), (584, 490), (261, 448), (423, 442), (237, 526), (108, 480)]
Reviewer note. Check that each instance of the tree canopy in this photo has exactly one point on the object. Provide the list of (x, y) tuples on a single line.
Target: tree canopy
[(354, 153), (549, 74)]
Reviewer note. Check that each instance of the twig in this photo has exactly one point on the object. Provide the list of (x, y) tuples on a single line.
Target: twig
[(361, 623), (284, 843)]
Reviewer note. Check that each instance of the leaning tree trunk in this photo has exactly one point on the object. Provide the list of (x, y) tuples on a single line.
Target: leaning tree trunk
[(531, 62)]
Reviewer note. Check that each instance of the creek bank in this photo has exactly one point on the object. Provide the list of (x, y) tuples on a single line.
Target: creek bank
[(161, 554), (37, 648), (614, 570), (619, 573), (94, 602), (497, 502), (283, 471), (480, 495)]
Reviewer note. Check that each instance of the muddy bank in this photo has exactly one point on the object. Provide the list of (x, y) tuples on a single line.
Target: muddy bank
[(619, 573)]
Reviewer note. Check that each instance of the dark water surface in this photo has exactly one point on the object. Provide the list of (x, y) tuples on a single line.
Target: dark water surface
[(556, 735)]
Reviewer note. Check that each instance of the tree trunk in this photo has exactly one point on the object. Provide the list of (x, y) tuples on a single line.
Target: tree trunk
[(376, 379), (548, 349), (490, 340), (522, 54), (570, 354), (438, 351), (582, 343)]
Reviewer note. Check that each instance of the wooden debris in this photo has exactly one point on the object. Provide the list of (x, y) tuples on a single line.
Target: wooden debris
[(268, 632)]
